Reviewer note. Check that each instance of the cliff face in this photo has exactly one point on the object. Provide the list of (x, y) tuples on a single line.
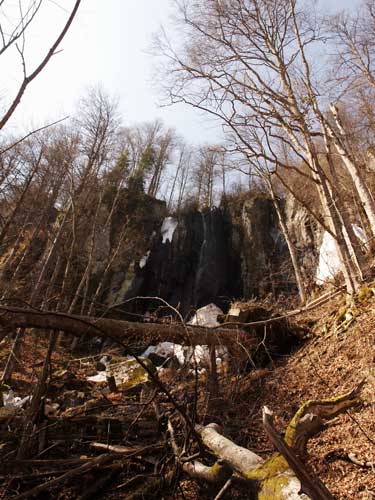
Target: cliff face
[(236, 251), (193, 266), (306, 235)]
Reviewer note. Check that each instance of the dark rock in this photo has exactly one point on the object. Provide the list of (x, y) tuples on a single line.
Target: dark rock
[(217, 255), (172, 363), (156, 359), (100, 366)]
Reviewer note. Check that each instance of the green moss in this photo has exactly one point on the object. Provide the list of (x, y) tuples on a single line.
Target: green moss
[(365, 293), (216, 470), (290, 433), (271, 468), (129, 373), (272, 477), (272, 488)]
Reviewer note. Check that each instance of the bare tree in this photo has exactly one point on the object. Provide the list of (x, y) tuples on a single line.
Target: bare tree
[(18, 33), (246, 63)]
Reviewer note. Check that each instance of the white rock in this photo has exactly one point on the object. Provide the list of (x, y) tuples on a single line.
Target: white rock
[(206, 316), (12, 401)]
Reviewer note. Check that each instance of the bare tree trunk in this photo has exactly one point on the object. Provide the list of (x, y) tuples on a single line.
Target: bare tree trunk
[(28, 436), (291, 248), (108, 268), (352, 240), (329, 209), (16, 209), (283, 475), (12, 257), (124, 331), (175, 179), (13, 357), (355, 173)]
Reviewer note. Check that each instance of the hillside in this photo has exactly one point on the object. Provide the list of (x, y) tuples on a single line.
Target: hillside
[(187, 266), (336, 355)]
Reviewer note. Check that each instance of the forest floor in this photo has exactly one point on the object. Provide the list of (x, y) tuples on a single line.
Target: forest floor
[(335, 359), (338, 354)]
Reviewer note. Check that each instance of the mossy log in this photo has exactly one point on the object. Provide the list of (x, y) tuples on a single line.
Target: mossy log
[(282, 476)]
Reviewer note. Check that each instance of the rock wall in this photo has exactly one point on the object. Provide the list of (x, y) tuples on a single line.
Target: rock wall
[(306, 235), (195, 267), (235, 251)]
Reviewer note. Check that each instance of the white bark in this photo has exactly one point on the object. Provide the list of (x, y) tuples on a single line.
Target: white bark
[(355, 173)]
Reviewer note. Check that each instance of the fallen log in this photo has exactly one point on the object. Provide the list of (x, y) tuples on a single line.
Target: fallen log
[(124, 331), (283, 476)]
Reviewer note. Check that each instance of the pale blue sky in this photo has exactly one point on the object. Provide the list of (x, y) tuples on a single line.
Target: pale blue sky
[(107, 44)]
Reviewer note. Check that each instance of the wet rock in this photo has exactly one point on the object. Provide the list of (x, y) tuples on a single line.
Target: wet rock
[(214, 255)]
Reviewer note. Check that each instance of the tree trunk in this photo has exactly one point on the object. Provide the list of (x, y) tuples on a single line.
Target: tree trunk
[(283, 475), (124, 331), (355, 173), (291, 248), (330, 211)]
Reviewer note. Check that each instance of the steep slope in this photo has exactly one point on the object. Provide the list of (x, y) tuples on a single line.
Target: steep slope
[(340, 353)]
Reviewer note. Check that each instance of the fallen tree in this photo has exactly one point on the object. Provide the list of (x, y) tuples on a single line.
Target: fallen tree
[(128, 332), (125, 331), (283, 476)]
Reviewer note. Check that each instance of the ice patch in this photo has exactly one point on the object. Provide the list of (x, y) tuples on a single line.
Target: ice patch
[(329, 261), (168, 228), (144, 260)]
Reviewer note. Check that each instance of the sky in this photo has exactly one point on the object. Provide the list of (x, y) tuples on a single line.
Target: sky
[(108, 45)]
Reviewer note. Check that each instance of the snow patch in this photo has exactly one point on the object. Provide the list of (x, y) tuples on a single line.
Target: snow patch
[(186, 355), (99, 377), (168, 350), (168, 228), (200, 354), (359, 232), (12, 401)]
